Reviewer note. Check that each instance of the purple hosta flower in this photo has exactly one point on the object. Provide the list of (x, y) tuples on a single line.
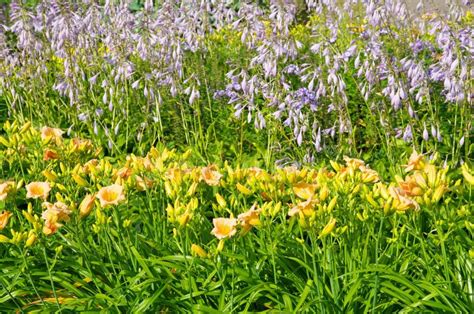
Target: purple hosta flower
[(317, 140), (350, 52), (461, 141), (417, 46), (408, 134), (93, 79), (135, 84), (96, 129), (298, 132), (439, 137), (260, 122), (398, 132), (99, 112), (426, 135), (292, 69), (117, 128), (83, 117), (194, 95), (305, 97), (434, 133), (411, 112), (309, 159), (218, 94)]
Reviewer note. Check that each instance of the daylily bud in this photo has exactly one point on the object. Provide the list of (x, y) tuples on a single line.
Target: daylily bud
[(438, 194), (31, 239), (430, 171), (332, 204), (328, 228), (79, 180), (467, 175), (221, 201), (371, 200), (199, 251), (220, 246), (4, 141), (50, 175), (244, 190), (126, 223), (192, 189)]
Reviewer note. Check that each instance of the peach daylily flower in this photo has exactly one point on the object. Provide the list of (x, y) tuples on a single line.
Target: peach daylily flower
[(400, 201), (410, 187), (305, 208), (51, 226), (60, 210), (415, 162), (86, 205), (175, 175), (111, 195), (224, 227), (124, 173), (250, 218), (353, 162), (52, 216), (4, 217), (49, 155), (53, 133), (38, 190), (79, 144), (90, 166), (210, 175), (304, 190), (4, 189)]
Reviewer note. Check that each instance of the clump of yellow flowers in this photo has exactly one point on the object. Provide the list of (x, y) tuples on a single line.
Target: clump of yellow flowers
[(69, 181)]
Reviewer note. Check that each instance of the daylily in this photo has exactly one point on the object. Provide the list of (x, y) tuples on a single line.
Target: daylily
[(415, 162), (49, 155), (328, 228), (353, 162), (86, 205), (304, 190), (305, 208), (4, 217), (4, 189), (224, 227), (38, 190), (400, 201), (53, 215), (111, 195), (250, 218), (51, 133), (58, 209), (210, 175)]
